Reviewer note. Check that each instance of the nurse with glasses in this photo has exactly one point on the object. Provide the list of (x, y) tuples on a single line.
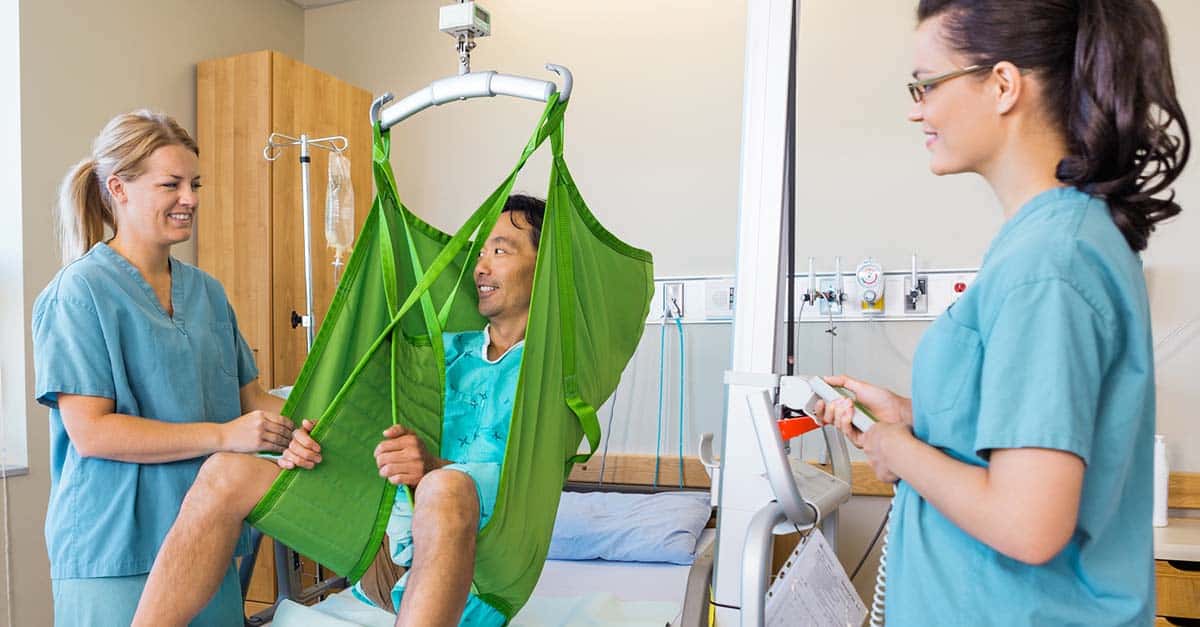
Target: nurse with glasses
[(1023, 459)]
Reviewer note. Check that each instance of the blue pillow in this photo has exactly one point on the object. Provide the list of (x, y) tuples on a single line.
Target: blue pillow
[(661, 527)]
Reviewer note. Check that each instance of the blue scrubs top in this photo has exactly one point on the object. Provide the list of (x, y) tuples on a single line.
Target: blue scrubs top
[(1049, 348), (99, 330), (477, 416)]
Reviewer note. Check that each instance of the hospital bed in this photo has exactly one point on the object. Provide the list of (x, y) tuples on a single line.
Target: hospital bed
[(569, 592)]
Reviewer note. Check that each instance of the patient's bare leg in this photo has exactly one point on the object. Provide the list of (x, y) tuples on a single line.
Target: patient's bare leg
[(444, 525), (196, 553)]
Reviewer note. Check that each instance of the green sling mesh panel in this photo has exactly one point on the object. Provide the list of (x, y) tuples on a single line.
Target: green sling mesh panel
[(378, 360)]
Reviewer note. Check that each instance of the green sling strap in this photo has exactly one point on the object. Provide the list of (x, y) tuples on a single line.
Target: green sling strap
[(378, 360)]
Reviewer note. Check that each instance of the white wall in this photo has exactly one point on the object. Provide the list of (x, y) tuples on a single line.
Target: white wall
[(864, 189), (653, 135), (81, 64), (1173, 264), (652, 131)]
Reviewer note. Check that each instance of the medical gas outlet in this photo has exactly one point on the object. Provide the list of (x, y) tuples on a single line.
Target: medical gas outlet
[(916, 291), (869, 276), (830, 291)]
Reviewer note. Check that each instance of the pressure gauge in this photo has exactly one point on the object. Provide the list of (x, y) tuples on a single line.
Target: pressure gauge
[(869, 276)]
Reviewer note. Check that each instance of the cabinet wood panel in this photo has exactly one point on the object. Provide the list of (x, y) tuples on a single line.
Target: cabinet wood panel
[(233, 226), (250, 226)]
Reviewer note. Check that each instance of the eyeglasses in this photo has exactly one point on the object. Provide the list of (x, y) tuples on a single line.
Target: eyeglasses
[(917, 89)]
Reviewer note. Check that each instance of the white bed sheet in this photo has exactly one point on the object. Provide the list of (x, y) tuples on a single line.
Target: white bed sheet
[(575, 593)]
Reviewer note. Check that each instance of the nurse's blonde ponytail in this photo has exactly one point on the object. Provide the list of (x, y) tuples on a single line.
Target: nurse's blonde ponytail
[(85, 207)]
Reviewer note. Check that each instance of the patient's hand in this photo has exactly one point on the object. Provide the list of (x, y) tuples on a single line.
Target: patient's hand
[(402, 457), (303, 451)]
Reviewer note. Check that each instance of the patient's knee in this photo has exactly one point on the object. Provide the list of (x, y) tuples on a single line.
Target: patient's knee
[(450, 497), (231, 482)]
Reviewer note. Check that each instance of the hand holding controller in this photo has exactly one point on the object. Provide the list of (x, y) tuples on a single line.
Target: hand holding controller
[(862, 418)]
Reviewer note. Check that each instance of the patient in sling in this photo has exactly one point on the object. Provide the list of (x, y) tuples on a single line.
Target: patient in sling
[(424, 568)]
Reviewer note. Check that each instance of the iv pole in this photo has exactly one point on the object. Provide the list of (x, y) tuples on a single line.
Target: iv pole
[(272, 151), (287, 565)]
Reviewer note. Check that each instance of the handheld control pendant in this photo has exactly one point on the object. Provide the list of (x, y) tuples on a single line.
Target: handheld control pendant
[(862, 418)]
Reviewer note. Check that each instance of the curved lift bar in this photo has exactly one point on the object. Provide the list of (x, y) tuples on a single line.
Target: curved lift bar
[(472, 85)]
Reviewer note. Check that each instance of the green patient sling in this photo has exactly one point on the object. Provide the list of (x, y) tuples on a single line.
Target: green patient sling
[(378, 360)]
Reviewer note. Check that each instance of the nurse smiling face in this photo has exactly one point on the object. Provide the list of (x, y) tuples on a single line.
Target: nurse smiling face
[(156, 207), (954, 104)]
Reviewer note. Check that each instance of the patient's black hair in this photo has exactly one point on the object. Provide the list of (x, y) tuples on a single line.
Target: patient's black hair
[(530, 208)]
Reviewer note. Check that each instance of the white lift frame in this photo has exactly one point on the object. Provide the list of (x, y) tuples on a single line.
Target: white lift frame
[(759, 493)]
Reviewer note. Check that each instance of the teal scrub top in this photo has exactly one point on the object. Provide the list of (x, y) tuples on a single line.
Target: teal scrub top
[(476, 420), (1049, 348), (99, 330)]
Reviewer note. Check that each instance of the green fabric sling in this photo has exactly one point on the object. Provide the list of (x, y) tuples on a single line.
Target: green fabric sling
[(378, 360)]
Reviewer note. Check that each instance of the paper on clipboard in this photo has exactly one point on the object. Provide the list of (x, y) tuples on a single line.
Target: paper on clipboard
[(812, 589)]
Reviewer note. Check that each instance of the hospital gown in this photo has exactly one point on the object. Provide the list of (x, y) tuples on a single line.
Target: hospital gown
[(478, 410)]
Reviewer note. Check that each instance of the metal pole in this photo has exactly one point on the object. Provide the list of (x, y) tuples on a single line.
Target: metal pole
[(757, 343), (309, 319)]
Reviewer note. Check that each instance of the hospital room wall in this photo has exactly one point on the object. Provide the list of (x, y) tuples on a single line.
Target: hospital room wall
[(82, 63), (864, 189), (653, 135), (653, 139), (655, 110)]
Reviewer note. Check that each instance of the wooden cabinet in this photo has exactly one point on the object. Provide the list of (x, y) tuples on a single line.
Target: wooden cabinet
[(250, 228), (250, 223), (1177, 570), (1178, 585), (1177, 556)]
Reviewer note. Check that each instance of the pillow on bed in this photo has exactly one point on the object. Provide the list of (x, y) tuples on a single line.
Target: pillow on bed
[(660, 527)]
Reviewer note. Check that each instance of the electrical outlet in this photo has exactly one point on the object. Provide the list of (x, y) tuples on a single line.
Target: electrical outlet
[(826, 285), (921, 305), (673, 300)]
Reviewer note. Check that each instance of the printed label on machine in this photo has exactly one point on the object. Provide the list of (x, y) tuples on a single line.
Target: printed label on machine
[(812, 589)]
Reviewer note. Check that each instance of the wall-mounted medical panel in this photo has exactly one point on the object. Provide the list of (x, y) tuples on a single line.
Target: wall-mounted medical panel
[(713, 299)]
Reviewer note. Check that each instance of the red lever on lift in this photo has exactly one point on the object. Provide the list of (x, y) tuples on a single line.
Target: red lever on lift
[(792, 427)]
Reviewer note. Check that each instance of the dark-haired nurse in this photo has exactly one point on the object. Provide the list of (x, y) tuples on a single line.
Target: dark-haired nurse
[(1024, 458)]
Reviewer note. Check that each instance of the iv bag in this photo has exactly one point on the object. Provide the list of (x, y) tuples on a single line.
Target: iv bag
[(339, 206)]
